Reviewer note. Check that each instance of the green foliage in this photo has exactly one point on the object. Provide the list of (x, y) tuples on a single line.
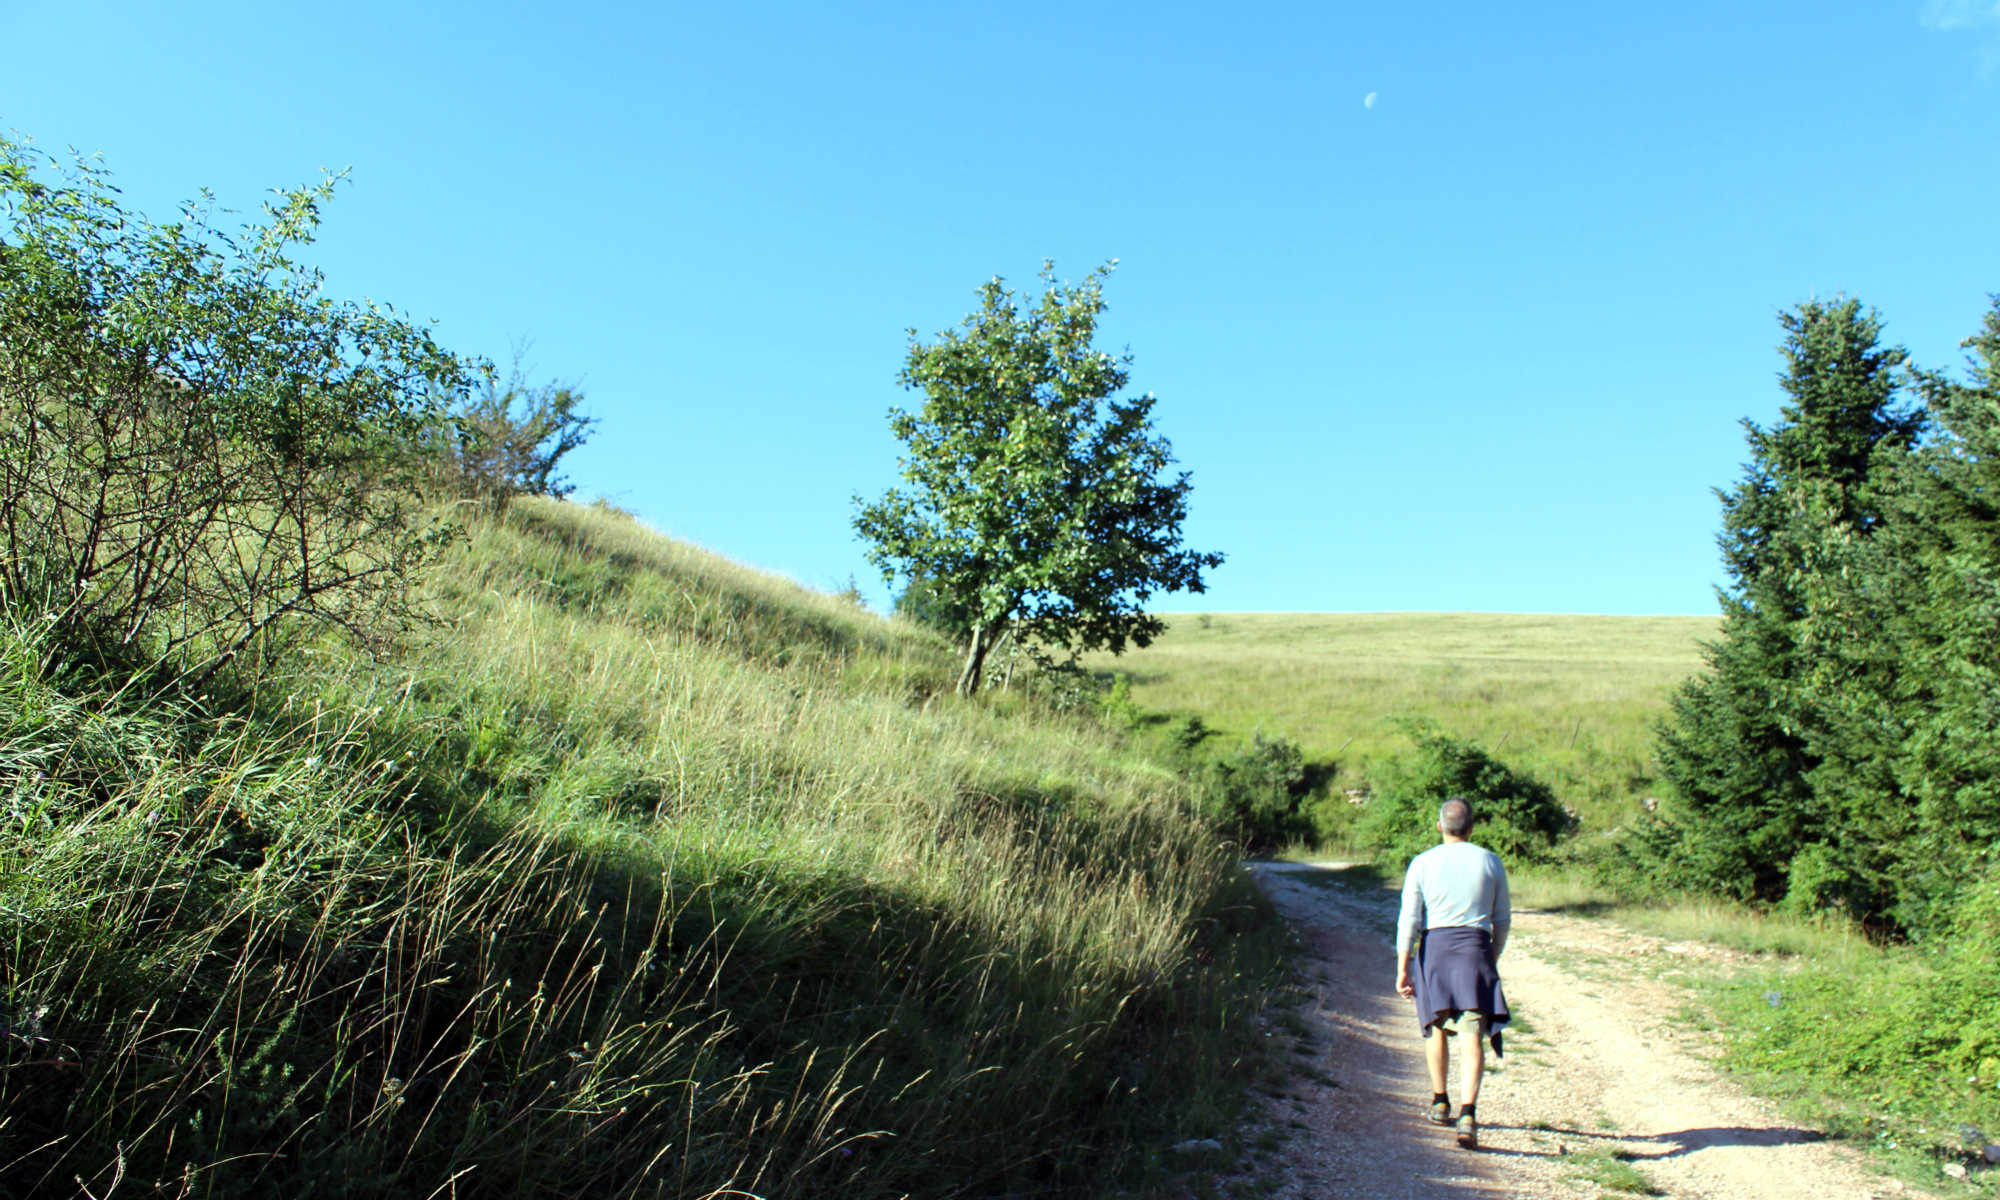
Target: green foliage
[(1258, 794), (1571, 700), (1761, 761), (1036, 504), (198, 449), (674, 886), (1818, 880), (509, 440), (926, 603), (1840, 753), (1612, 1170), (1902, 1045), (1189, 733), (1117, 706), (1911, 659), (1515, 815)]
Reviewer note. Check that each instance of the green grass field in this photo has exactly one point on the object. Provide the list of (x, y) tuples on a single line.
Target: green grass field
[(1571, 699)]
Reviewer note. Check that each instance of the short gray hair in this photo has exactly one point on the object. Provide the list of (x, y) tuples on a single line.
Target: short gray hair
[(1455, 816)]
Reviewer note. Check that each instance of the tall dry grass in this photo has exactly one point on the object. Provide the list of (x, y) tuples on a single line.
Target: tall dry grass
[(642, 875)]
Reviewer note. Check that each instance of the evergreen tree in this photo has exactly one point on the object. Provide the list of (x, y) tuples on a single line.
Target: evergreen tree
[(1923, 721), (1744, 743)]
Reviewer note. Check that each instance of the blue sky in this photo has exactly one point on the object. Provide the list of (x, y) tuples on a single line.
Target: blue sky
[(1447, 306)]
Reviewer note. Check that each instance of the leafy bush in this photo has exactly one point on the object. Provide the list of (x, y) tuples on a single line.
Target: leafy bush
[(1819, 881), (510, 440), (1905, 1040), (1189, 733), (1257, 793), (1334, 816), (1117, 706), (197, 448), (1516, 815)]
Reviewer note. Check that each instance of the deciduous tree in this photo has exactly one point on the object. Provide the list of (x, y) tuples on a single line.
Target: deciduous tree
[(1038, 502)]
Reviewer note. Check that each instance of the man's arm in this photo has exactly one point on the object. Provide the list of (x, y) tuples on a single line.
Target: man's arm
[(1503, 911), (1408, 924)]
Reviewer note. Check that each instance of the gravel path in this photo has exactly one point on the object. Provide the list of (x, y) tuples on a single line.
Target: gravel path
[(1598, 1089)]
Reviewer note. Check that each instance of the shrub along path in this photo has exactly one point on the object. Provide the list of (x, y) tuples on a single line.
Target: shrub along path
[(1601, 1091)]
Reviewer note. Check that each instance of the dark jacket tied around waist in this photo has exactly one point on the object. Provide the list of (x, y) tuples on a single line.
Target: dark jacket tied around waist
[(1455, 974)]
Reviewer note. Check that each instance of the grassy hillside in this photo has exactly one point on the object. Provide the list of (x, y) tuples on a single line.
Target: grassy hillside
[(639, 874), (1570, 699)]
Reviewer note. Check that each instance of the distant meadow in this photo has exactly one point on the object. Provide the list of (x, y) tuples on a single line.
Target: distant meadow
[(1570, 699)]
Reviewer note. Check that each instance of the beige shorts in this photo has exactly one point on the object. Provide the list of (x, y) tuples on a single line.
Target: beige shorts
[(1465, 1022)]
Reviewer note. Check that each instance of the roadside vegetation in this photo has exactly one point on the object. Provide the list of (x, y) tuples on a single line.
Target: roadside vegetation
[(1893, 1049), (1836, 759), (1822, 762), (1569, 700), (378, 823)]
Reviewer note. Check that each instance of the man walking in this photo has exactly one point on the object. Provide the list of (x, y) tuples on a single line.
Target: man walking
[(1455, 918)]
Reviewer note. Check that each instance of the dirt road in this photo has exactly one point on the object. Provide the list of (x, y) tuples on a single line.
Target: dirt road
[(1600, 1092)]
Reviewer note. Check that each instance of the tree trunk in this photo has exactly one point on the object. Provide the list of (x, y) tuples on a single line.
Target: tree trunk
[(975, 662)]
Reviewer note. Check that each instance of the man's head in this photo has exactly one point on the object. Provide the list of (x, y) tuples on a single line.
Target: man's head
[(1455, 817)]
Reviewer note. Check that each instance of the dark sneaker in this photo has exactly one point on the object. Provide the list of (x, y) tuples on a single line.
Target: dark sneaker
[(1468, 1131), (1441, 1112)]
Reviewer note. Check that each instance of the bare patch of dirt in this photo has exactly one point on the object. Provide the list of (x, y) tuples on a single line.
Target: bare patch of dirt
[(1601, 1092)]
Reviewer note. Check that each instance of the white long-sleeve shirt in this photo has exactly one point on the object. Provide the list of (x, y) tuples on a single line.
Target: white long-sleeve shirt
[(1456, 883)]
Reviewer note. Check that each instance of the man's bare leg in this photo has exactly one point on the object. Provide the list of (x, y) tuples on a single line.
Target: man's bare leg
[(1437, 1049), (1474, 1037)]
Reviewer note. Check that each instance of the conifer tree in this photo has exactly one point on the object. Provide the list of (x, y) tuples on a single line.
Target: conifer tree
[(1913, 689), (1743, 741)]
